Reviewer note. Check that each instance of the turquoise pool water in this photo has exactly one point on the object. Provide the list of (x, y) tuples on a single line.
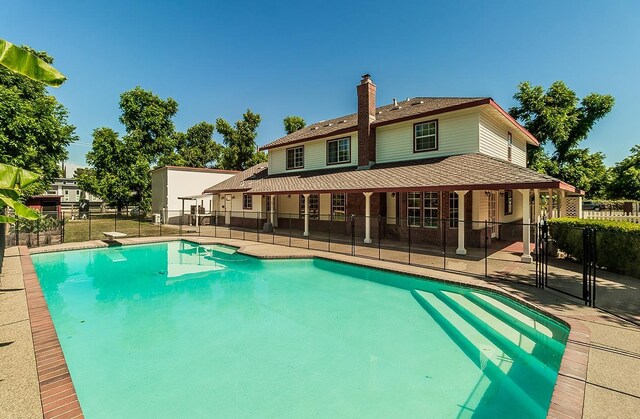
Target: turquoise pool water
[(179, 330)]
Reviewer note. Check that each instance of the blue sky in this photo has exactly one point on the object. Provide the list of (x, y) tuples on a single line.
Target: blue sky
[(305, 58)]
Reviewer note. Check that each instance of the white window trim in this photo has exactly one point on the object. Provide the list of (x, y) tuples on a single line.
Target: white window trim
[(338, 161), (415, 136), (425, 208), (244, 198), (293, 150)]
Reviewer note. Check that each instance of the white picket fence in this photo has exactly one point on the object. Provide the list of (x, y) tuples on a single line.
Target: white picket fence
[(611, 215)]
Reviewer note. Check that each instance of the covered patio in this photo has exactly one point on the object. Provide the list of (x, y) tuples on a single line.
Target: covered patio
[(424, 202)]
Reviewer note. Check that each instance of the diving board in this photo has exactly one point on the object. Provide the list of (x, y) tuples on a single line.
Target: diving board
[(112, 235)]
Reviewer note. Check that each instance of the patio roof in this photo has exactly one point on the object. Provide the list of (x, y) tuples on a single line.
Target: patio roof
[(460, 172)]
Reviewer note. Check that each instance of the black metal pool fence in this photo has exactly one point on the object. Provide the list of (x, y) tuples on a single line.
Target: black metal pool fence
[(492, 249)]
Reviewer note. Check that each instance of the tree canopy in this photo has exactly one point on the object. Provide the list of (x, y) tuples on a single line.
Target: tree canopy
[(120, 167), (625, 181), (293, 123), (34, 132), (240, 150), (195, 148), (560, 121)]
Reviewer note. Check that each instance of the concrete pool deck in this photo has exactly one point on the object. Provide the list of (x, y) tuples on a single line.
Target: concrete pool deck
[(599, 375)]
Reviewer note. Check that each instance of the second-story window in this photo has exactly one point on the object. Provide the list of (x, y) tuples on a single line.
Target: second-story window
[(295, 157), (339, 151), (247, 201), (509, 144), (425, 136)]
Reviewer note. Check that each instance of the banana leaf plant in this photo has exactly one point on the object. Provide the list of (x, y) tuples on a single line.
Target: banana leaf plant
[(12, 179), (28, 64)]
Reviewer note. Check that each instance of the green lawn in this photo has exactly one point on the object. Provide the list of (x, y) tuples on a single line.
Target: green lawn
[(78, 230)]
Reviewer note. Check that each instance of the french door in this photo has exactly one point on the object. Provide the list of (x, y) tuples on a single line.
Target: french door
[(493, 211)]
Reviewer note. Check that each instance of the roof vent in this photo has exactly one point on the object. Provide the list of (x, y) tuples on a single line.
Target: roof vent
[(408, 99), (395, 102)]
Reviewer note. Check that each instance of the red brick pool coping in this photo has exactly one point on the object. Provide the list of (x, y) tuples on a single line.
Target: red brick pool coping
[(57, 393), (59, 399)]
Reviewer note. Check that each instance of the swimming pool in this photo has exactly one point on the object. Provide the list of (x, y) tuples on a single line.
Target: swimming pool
[(176, 329)]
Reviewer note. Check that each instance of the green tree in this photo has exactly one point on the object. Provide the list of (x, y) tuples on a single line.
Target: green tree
[(148, 121), (560, 121), (585, 170), (121, 173), (80, 171), (240, 150), (110, 176), (34, 132), (293, 123), (195, 148), (626, 177)]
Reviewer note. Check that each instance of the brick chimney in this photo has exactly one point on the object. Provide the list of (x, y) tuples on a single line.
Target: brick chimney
[(366, 115)]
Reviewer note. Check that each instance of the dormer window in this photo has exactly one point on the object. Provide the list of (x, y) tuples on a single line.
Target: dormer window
[(509, 144), (425, 136), (295, 158), (339, 151)]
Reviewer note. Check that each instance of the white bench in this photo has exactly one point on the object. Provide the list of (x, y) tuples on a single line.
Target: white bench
[(112, 235)]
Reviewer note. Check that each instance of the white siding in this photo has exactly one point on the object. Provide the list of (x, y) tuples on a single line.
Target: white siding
[(391, 208), (517, 208), (189, 183), (480, 211), (315, 155), (493, 140), (158, 191), (288, 204), (325, 206), (457, 134)]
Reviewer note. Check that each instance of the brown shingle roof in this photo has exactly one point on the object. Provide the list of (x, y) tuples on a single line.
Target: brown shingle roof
[(384, 114), (460, 172), (241, 181)]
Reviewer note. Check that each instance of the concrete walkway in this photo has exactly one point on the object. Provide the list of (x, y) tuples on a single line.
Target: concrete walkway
[(19, 389), (611, 383)]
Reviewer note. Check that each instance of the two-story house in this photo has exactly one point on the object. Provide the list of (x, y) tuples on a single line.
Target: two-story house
[(71, 194), (433, 168)]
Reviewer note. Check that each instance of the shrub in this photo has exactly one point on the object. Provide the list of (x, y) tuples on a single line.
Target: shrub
[(617, 242)]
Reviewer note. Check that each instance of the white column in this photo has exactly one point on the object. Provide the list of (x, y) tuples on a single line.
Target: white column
[(536, 205), (367, 217), (550, 204), (579, 204), (306, 214), (228, 205), (526, 229), (197, 212), (461, 227), (273, 209), (182, 213), (562, 207)]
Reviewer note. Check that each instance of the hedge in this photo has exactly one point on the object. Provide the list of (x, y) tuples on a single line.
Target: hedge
[(617, 242)]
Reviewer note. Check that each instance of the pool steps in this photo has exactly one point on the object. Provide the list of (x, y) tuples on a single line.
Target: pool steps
[(491, 359), (499, 332), (532, 329)]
